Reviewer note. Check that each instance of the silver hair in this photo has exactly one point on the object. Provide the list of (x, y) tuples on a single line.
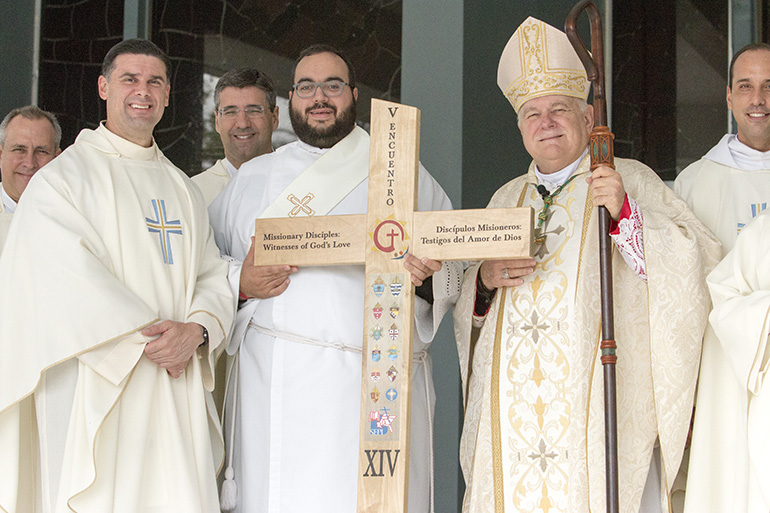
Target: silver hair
[(31, 112)]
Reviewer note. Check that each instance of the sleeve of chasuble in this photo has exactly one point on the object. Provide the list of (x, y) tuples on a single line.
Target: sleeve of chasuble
[(740, 290), (447, 281), (67, 300), (213, 305), (679, 252)]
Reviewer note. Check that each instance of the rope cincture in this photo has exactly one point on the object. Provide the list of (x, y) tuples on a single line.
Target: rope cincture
[(229, 494)]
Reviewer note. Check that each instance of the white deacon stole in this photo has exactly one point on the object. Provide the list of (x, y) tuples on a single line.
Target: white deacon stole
[(316, 191), (327, 181)]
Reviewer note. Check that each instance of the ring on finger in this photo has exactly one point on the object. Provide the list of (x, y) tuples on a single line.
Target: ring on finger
[(505, 274)]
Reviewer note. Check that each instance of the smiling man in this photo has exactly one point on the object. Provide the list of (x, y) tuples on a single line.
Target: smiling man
[(730, 185), (29, 139), (104, 406), (727, 189), (245, 116), (533, 436), (298, 339)]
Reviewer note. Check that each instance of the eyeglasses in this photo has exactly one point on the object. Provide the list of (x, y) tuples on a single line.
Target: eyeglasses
[(330, 88), (252, 111)]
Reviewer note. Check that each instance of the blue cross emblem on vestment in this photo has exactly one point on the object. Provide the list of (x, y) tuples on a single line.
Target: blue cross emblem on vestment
[(756, 209), (164, 228)]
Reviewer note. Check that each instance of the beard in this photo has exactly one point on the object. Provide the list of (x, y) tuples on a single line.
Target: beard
[(325, 137)]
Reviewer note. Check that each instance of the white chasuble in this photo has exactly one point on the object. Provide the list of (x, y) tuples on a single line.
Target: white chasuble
[(533, 433), (299, 377), (214, 179), (87, 422), (725, 198), (722, 474), (738, 460)]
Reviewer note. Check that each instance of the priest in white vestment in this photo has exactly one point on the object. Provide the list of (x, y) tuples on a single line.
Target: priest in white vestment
[(528, 331), (29, 139), (740, 454), (298, 380), (726, 189), (245, 116), (120, 305)]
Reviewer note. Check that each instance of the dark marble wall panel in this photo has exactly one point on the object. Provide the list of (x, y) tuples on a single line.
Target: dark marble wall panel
[(368, 31), (493, 152), (76, 34), (180, 132), (669, 74), (644, 83)]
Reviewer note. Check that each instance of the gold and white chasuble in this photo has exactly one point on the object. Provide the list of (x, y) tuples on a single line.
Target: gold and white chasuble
[(111, 238), (533, 438)]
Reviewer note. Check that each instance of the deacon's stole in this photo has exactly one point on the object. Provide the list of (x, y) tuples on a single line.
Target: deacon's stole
[(326, 182)]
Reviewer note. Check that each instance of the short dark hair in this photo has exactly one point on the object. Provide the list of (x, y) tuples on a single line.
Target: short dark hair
[(246, 77), (31, 112), (748, 48), (134, 47), (320, 48)]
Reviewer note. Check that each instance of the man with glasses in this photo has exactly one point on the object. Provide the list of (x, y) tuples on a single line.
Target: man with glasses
[(299, 333), (245, 116)]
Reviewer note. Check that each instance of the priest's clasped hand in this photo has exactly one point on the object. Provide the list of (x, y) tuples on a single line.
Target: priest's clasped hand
[(175, 345), (607, 190), (505, 273), (263, 282), (420, 269)]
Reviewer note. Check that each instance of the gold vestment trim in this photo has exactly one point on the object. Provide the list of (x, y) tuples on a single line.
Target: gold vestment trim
[(497, 453)]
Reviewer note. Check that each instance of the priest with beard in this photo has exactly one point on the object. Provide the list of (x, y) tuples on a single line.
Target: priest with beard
[(293, 403)]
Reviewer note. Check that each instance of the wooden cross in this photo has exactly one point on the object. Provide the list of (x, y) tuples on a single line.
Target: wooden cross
[(380, 239)]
